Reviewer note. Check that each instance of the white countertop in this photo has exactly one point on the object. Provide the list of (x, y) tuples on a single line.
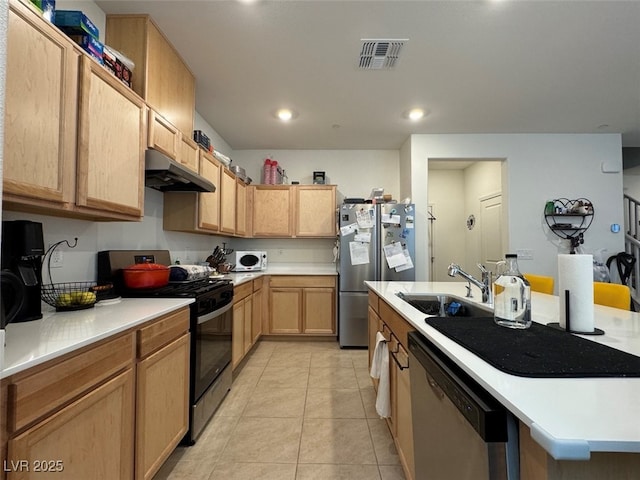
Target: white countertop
[(285, 269), (569, 418), (28, 344)]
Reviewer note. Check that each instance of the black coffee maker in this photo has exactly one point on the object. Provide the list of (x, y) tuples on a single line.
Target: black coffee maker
[(22, 251)]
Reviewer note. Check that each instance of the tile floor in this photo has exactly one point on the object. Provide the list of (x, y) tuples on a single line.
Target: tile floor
[(298, 410)]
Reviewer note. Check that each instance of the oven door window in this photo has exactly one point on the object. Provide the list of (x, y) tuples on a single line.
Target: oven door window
[(212, 350)]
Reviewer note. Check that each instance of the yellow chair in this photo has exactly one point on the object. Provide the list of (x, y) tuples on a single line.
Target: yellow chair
[(613, 295), (540, 283)]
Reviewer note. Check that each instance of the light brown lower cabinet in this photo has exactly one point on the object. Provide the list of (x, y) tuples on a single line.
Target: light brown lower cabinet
[(112, 410), (302, 305), (382, 318), (90, 438), (162, 408), (247, 312)]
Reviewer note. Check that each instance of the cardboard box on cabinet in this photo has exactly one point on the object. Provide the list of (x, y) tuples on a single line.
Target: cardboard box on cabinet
[(75, 22)]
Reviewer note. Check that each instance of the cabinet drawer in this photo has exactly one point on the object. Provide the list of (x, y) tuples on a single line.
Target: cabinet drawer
[(303, 281), (398, 325), (162, 332), (373, 301), (242, 291), (37, 395), (257, 283)]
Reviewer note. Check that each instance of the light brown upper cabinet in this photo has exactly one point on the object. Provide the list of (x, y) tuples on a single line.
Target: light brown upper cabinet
[(241, 208), (111, 143), (315, 211), (195, 212), (163, 135), (227, 202), (161, 77), (293, 211), (74, 134), (41, 96)]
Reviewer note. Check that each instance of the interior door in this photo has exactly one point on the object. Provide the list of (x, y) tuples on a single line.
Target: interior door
[(491, 231)]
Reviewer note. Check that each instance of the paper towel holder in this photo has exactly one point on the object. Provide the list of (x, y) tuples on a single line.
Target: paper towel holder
[(567, 328)]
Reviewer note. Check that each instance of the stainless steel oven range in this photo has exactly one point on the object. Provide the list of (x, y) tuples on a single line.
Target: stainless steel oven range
[(210, 327)]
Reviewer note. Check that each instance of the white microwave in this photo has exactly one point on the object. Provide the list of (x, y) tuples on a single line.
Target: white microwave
[(250, 260)]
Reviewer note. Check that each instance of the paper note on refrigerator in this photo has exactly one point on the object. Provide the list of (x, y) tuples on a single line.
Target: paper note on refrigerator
[(362, 237), (348, 229), (359, 253), (408, 264), (408, 221), (394, 255), (389, 218), (364, 219)]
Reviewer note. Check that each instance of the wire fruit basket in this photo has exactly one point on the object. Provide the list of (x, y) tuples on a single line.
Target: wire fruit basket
[(70, 295)]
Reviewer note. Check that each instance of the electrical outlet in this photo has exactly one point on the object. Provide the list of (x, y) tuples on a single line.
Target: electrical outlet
[(57, 259), (280, 252), (187, 254)]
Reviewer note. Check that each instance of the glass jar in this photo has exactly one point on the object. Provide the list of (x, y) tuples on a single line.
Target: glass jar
[(512, 296)]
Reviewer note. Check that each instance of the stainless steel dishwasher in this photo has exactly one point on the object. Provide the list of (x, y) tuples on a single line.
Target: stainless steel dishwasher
[(459, 430)]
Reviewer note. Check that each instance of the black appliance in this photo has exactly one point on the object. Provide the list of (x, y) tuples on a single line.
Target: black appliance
[(210, 325), (22, 251)]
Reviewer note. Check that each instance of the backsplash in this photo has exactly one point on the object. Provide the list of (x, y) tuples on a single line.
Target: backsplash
[(79, 263)]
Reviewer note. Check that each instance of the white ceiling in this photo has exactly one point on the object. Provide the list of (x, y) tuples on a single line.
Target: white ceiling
[(479, 67)]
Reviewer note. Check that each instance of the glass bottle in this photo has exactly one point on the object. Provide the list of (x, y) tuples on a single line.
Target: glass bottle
[(512, 296)]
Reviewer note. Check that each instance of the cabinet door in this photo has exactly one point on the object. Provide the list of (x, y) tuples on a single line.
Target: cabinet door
[(209, 203), (319, 310), (111, 144), (227, 202), (374, 320), (248, 322), (315, 211), (272, 207), (286, 310), (162, 411), (90, 438), (41, 95), (170, 83), (241, 208), (403, 420), (237, 334), (163, 136), (189, 154), (256, 315)]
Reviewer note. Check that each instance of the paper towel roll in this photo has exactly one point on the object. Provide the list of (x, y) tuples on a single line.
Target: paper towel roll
[(575, 273)]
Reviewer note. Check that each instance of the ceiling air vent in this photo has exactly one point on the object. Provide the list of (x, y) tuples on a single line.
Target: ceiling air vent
[(380, 54)]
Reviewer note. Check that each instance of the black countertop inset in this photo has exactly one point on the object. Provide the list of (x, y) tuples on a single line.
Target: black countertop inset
[(539, 351)]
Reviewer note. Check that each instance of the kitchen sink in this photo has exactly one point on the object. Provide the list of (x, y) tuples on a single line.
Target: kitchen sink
[(444, 306)]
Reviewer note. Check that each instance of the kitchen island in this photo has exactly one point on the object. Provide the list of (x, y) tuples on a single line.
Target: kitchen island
[(570, 418)]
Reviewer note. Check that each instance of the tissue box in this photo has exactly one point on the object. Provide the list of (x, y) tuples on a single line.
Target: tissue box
[(74, 22), (47, 7), (90, 45)]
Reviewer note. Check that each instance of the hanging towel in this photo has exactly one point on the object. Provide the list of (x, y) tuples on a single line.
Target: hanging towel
[(380, 370)]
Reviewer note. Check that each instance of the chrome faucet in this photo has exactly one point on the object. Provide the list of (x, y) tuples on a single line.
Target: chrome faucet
[(484, 285)]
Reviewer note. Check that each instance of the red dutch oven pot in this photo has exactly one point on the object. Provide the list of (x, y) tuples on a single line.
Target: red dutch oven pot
[(145, 275)]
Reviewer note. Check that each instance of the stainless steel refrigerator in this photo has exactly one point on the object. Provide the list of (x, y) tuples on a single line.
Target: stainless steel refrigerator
[(377, 242)]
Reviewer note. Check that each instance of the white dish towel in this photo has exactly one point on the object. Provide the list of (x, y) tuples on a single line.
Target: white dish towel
[(380, 370)]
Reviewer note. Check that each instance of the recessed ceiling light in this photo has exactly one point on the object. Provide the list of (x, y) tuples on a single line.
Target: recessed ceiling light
[(286, 114), (415, 114)]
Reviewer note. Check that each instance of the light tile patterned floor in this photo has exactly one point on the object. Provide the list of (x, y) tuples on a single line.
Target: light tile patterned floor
[(298, 410)]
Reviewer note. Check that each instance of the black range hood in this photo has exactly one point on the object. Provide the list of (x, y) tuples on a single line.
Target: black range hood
[(167, 175)]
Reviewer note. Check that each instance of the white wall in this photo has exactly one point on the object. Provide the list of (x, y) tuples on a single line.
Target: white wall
[(355, 172), (537, 168), (481, 179), (446, 194)]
